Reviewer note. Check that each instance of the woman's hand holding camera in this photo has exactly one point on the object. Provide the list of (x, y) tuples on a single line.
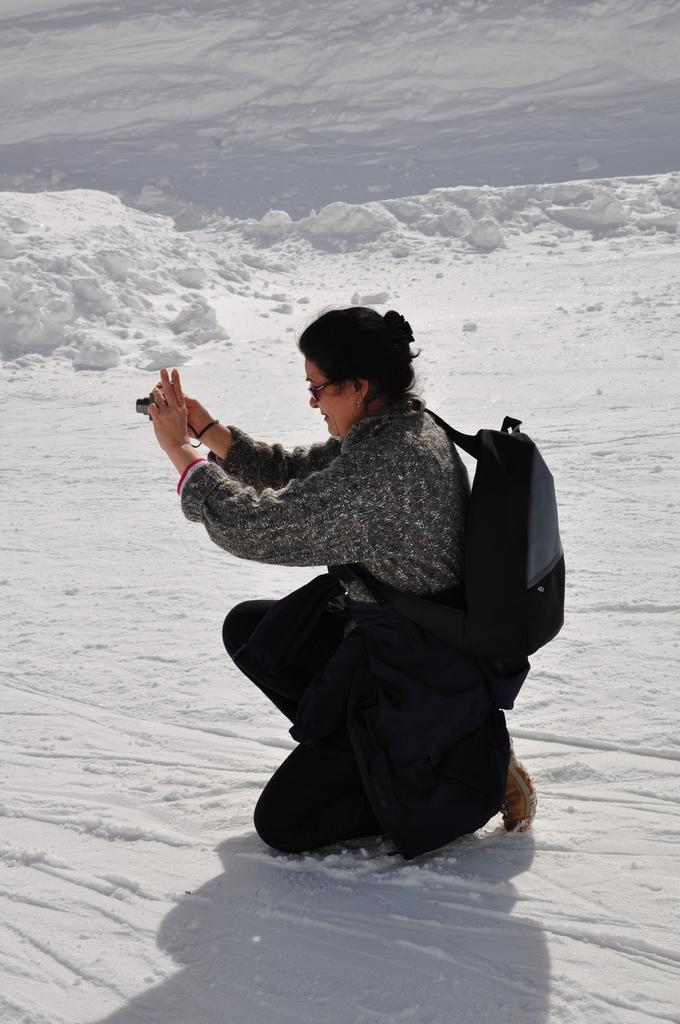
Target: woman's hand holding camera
[(171, 412), (168, 413), (198, 417)]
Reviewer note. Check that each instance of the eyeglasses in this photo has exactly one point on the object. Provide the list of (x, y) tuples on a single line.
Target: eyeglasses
[(314, 389)]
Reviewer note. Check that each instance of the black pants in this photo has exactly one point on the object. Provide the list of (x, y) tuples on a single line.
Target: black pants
[(316, 796)]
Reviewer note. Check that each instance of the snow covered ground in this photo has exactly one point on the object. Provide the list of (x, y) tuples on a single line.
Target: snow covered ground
[(133, 887)]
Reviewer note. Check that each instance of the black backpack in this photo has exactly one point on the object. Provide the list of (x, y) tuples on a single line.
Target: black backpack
[(512, 598)]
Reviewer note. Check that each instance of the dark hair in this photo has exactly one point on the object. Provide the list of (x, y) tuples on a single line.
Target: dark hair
[(354, 343)]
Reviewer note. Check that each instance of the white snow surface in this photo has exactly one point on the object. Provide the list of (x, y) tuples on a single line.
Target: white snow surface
[(134, 887), (190, 185)]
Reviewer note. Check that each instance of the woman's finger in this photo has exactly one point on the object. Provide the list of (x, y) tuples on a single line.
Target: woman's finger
[(177, 384), (168, 389)]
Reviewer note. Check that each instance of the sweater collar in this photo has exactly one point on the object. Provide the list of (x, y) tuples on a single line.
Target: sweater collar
[(397, 409)]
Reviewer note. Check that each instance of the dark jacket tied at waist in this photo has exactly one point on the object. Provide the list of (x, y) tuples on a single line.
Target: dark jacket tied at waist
[(424, 719)]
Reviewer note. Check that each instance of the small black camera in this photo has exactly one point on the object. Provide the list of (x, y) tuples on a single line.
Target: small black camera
[(142, 405)]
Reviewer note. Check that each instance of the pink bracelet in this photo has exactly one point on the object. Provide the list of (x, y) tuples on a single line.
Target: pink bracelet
[(181, 479)]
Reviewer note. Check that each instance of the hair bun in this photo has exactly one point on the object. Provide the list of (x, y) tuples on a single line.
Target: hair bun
[(398, 322)]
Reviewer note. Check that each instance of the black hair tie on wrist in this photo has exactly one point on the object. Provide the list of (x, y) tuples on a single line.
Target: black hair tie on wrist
[(205, 429), (211, 424)]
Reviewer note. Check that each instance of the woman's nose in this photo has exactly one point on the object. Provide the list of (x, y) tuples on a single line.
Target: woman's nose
[(313, 402)]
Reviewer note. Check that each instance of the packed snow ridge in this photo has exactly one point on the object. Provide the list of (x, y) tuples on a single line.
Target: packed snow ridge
[(89, 280)]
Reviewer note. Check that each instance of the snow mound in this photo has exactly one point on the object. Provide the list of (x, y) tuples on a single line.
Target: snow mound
[(474, 219), (197, 323), (272, 227), (485, 235), (602, 215), (341, 225), (336, 227), (370, 299), (455, 222), (668, 191), (86, 279)]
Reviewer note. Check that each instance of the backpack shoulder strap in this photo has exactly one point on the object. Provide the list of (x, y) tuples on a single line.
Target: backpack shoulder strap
[(472, 443), (468, 442)]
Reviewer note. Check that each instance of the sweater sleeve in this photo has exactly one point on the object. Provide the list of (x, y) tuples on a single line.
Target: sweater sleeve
[(259, 465), (328, 517)]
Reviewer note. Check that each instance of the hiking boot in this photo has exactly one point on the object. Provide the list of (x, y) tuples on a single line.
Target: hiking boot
[(520, 802)]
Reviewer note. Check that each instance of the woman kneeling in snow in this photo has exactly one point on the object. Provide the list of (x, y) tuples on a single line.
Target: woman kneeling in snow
[(399, 733)]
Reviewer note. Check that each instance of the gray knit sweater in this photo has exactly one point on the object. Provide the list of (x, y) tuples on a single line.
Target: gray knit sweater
[(391, 495)]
